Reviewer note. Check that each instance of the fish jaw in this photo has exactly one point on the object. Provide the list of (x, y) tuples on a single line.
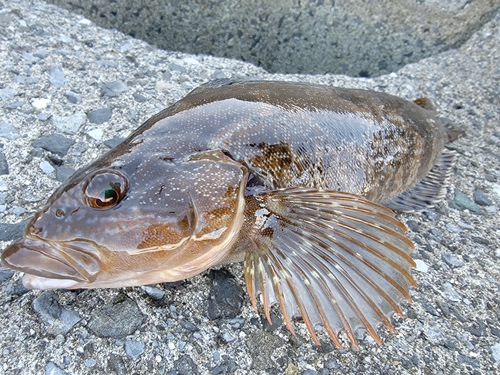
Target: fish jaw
[(65, 265)]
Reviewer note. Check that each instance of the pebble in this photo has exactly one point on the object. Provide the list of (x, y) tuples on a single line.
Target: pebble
[(113, 142), (452, 260), (56, 77), (154, 292), (495, 352), (134, 348), (112, 89), (63, 173), (4, 186), (69, 124), (226, 296), (227, 337), (46, 167), (139, 98), (116, 320), (4, 165), (44, 116), (91, 362), (5, 274), (8, 131), (465, 203), (481, 198), (40, 103), (99, 116), (116, 364), (59, 319), (176, 68), (185, 366), (73, 97), (95, 134), (55, 143), (10, 232), (421, 266), (52, 369), (450, 293), (7, 93)]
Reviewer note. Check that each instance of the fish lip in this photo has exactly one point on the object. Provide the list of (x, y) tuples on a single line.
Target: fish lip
[(73, 260)]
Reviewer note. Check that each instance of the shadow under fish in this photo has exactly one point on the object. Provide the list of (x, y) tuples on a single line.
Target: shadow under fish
[(297, 180)]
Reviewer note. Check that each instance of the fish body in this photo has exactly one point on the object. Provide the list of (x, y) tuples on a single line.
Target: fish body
[(290, 178)]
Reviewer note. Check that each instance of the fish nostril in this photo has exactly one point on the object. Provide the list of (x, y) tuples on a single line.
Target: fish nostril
[(35, 230)]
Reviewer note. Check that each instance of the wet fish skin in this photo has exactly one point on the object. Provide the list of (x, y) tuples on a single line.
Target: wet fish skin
[(280, 175)]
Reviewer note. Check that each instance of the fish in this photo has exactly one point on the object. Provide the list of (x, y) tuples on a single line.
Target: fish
[(298, 181)]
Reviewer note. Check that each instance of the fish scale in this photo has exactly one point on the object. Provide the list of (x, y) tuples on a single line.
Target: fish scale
[(290, 178)]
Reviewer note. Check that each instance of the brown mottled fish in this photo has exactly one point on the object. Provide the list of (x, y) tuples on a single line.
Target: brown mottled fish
[(296, 180)]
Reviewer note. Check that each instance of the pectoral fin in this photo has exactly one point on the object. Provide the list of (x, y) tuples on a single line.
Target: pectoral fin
[(335, 259)]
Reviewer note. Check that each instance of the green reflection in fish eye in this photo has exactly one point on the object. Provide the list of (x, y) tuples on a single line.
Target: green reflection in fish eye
[(105, 190)]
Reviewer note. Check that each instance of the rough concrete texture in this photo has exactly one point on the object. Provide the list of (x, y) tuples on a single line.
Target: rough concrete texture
[(56, 68), (353, 37)]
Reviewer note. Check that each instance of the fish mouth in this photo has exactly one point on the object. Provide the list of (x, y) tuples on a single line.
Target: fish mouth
[(72, 260)]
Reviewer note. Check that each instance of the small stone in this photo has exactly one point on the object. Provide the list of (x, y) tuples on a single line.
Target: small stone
[(57, 78), (91, 362), (227, 337), (52, 369), (450, 293), (465, 203), (73, 97), (63, 173), (185, 366), (46, 167), (44, 116), (116, 365), (10, 232), (226, 296), (139, 98), (59, 319), (4, 165), (55, 143), (4, 186), (99, 116), (134, 348), (40, 103), (69, 124), (8, 131), (452, 260), (15, 105), (176, 68), (95, 134), (421, 266), (116, 320), (7, 94), (153, 292), (495, 352), (112, 89), (30, 58), (481, 198), (113, 142), (188, 326), (5, 274)]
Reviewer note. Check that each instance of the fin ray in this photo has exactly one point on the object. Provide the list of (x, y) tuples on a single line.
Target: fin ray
[(333, 258), (430, 190)]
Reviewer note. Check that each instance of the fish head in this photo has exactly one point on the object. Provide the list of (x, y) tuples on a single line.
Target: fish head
[(126, 224)]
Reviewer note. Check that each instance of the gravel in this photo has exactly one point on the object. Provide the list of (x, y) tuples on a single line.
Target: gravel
[(206, 325)]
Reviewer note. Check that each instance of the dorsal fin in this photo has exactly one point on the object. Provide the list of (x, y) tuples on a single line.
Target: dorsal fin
[(425, 103)]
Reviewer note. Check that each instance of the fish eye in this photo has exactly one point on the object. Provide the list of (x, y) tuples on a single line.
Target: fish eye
[(105, 190)]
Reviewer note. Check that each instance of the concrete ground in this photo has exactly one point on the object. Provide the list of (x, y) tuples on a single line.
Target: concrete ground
[(68, 89)]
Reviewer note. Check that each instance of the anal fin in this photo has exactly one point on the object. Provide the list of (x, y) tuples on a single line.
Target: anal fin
[(335, 259), (430, 190)]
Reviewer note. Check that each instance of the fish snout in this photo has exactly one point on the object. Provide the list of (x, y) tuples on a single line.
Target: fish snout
[(64, 261)]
